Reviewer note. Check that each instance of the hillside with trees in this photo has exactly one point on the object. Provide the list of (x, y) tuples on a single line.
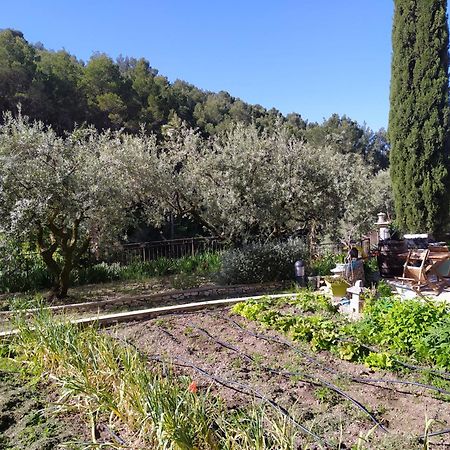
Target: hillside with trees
[(62, 91)]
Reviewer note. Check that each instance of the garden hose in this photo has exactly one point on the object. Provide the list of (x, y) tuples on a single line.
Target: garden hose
[(311, 379), (229, 384), (329, 369)]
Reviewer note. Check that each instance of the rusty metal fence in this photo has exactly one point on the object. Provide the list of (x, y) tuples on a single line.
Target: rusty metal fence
[(178, 248), (173, 248)]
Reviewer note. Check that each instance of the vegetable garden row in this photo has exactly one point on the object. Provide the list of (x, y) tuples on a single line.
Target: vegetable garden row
[(281, 373)]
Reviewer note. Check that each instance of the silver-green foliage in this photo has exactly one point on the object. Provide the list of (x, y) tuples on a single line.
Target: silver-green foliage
[(245, 182), (67, 194), (259, 262)]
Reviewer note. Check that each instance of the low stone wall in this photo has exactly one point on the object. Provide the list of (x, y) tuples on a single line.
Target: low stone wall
[(146, 300)]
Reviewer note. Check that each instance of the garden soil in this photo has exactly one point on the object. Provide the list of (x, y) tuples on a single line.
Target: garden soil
[(403, 410), (26, 421)]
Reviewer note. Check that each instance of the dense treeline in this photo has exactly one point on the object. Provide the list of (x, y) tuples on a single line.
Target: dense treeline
[(60, 90)]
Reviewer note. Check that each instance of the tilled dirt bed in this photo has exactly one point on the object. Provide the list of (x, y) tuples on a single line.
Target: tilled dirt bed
[(317, 389), (26, 419)]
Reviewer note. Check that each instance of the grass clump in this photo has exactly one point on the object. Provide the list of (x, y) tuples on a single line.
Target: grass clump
[(111, 381)]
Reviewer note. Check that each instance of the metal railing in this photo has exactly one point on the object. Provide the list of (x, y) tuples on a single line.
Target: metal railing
[(173, 248)]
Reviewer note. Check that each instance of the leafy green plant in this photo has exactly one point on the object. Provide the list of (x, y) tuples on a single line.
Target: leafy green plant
[(383, 289), (400, 329), (434, 345), (350, 351), (313, 302), (371, 271), (403, 322), (381, 360), (322, 265), (250, 309), (327, 396)]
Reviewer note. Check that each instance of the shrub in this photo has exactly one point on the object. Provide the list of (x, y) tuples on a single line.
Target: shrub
[(21, 268), (371, 270), (29, 273), (323, 264), (434, 345), (262, 262), (383, 289), (399, 324)]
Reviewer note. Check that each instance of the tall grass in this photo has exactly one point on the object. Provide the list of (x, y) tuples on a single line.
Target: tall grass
[(35, 276), (112, 382)]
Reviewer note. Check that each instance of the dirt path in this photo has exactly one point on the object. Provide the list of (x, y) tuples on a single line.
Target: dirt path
[(209, 341), (26, 422)]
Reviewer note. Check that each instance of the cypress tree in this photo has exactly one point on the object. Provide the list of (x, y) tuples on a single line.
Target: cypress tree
[(419, 115)]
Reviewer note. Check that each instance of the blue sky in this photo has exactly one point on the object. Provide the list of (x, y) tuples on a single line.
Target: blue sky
[(314, 57)]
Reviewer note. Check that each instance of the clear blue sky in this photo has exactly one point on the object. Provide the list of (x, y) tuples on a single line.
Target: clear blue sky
[(314, 57)]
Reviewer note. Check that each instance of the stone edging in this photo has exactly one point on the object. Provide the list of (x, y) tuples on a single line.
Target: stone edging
[(205, 291), (109, 319)]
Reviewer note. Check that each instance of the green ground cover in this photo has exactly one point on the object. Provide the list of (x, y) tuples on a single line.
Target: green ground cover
[(390, 332)]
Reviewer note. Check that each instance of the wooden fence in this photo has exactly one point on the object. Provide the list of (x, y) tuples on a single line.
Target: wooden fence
[(173, 248)]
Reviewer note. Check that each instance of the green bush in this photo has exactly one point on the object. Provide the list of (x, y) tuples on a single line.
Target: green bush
[(262, 262), (371, 271), (28, 273), (323, 264), (21, 268), (434, 345), (383, 289), (399, 323)]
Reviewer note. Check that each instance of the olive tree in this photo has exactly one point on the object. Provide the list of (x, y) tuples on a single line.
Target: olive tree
[(246, 183), (67, 194)]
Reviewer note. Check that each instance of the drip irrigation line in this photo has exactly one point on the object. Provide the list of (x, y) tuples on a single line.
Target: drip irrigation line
[(329, 369), (404, 382), (250, 358), (280, 341), (436, 433), (229, 384), (170, 335), (310, 379), (116, 437), (226, 383)]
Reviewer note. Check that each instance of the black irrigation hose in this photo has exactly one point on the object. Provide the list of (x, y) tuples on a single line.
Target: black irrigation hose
[(329, 369), (312, 380), (436, 433), (245, 389), (228, 384), (404, 382), (116, 437), (280, 341), (251, 359)]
